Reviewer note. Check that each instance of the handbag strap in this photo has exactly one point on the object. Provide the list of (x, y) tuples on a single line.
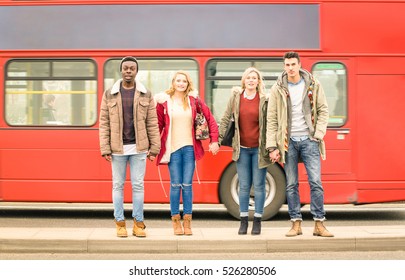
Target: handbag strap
[(198, 105), (233, 105)]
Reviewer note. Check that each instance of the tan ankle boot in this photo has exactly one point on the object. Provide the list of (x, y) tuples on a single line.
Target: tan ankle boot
[(121, 229), (295, 229), (139, 229), (187, 224), (320, 230), (177, 228)]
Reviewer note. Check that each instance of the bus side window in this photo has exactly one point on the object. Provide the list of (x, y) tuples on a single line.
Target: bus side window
[(224, 73), (333, 77), (51, 92), (154, 73)]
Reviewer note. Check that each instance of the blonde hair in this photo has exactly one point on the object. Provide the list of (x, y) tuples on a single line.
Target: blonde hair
[(190, 87), (260, 87)]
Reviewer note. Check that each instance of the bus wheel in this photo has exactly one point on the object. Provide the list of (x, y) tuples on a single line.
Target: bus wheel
[(275, 191)]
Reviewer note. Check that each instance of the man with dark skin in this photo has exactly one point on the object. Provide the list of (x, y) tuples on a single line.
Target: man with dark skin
[(129, 134)]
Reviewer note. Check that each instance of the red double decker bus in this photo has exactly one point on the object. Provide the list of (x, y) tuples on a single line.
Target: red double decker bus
[(70, 51)]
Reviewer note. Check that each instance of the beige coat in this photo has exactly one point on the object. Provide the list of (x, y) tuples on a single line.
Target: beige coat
[(111, 121), (233, 107), (279, 119)]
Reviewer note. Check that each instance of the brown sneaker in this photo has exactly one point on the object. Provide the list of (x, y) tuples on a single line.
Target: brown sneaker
[(121, 229), (295, 229), (139, 229), (320, 230)]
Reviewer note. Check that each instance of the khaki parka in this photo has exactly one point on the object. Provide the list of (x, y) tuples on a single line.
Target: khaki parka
[(279, 113), (145, 121)]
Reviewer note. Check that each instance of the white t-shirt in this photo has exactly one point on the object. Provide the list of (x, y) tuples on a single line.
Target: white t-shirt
[(298, 125)]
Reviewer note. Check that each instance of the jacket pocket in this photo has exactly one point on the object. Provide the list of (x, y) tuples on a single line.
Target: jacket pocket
[(113, 108), (143, 109)]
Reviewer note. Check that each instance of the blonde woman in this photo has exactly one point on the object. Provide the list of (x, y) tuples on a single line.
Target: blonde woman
[(176, 109), (247, 106)]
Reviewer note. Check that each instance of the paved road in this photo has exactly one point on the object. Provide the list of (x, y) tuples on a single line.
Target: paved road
[(204, 216)]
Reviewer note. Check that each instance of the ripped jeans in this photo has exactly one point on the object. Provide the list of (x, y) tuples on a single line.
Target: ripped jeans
[(181, 168)]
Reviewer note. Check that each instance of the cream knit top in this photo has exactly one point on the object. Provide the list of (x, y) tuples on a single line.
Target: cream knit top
[(181, 127)]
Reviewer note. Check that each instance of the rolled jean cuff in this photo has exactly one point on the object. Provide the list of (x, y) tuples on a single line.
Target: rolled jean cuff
[(244, 214), (320, 219), (296, 219)]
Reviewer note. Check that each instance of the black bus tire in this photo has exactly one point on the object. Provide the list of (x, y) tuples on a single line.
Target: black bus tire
[(275, 191)]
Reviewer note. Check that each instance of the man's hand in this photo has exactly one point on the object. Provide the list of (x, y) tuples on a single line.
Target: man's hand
[(275, 155), (151, 157)]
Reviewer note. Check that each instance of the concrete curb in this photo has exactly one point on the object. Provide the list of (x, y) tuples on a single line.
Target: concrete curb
[(204, 240)]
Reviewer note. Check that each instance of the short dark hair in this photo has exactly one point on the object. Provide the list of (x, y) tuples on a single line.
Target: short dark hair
[(129, 58), (291, 54)]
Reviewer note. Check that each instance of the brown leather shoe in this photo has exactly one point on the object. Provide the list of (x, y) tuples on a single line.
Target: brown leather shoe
[(177, 228), (121, 229), (295, 229), (187, 224), (139, 229), (320, 230)]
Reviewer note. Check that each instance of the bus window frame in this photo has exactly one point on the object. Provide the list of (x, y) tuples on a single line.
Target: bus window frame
[(209, 78), (196, 80), (51, 78), (345, 88)]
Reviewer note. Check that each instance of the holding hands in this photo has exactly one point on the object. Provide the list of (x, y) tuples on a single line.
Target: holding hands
[(214, 148), (275, 155), (150, 156)]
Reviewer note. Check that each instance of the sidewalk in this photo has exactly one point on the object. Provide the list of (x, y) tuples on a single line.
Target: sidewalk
[(204, 240)]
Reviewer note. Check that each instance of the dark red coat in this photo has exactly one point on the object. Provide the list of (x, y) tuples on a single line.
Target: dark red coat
[(162, 100)]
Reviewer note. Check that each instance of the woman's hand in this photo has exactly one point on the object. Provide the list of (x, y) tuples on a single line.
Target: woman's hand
[(214, 148)]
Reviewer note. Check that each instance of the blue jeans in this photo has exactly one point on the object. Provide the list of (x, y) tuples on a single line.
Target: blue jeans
[(249, 173), (308, 151), (181, 168), (137, 167)]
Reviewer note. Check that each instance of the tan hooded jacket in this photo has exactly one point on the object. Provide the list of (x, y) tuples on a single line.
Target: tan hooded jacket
[(279, 113)]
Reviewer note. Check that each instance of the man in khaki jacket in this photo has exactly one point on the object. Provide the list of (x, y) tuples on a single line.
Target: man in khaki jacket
[(297, 119), (129, 133)]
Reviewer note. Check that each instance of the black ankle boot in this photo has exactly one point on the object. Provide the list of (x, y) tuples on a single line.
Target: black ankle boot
[(243, 225), (257, 225)]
